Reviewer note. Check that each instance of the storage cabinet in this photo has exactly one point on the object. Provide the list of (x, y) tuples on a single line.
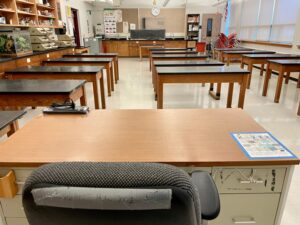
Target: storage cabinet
[(130, 48)]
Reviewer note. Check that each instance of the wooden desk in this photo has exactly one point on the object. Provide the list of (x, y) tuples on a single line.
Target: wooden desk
[(177, 57), (106, 62), (192, 139), (203, 75), (114, 56), (92, 74), (187, 63), (19, 93), (217, 53), (169, 52), (262, 59), (228, 56), (147, 47), (9, 122), (281, 66)]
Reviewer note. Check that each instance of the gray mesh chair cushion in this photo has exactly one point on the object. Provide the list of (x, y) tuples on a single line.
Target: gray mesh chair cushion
[(185, 204)]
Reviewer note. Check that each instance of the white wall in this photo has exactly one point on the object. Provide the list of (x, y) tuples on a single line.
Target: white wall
[(85, 19)]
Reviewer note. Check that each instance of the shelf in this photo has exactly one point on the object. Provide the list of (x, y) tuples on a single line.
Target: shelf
[(24, 2), (7, 10), (48, 17), (26, 13), (45, 7)]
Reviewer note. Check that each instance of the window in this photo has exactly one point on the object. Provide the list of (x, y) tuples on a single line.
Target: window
[(250, 10), (265, 20), (284, 22)]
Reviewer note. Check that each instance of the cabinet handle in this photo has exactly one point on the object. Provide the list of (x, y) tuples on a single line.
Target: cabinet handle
[(243, 220)]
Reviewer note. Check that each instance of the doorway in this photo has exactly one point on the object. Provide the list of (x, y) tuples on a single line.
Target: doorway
[(76, 26)]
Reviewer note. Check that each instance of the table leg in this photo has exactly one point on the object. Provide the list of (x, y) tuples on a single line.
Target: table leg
[(13, 128), (160, 93), (96, 93), (102, 92), (219, 88), (298, 83), (150, 61), (108, 78), (250, 68), (112, 75), (279, 85), (83, 101), (116, 72), (230, 94), (262, 68), (242, 94), (267, 79), (298, 110), (287, 77), (214, 95), (242, 64), (228, 60), (141, 57)]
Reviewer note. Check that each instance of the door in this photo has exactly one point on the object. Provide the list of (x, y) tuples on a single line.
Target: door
[(76, 26)]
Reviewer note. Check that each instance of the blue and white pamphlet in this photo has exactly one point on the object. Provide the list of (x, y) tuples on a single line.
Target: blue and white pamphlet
[(261, 145)]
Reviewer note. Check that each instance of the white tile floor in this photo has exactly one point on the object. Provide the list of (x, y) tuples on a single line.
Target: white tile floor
[(134, 91)]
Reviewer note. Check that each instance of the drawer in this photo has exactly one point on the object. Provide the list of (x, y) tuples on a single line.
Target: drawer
[(12, 207), (16, 221), (249, 180), (246, 209)]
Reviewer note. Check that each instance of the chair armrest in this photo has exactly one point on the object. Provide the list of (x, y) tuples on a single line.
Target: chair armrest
[(209, 195)]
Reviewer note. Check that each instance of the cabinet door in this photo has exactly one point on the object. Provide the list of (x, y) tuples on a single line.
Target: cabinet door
[(123, 49), (258, 209), (111, 46)]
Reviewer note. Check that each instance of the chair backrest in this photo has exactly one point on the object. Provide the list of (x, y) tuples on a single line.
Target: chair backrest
[(77, 193)]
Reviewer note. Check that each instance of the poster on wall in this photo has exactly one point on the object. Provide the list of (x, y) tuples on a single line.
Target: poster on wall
[(132, 26), (111, 18)]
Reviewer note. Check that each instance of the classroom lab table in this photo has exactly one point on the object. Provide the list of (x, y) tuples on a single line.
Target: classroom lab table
[(282, 66), (168, 52), (74, 61), (114, 56), (228, 56), (169, 75), (262, 60), (19, 93), (92, 74), (9, 122), (217, 53), (176, 57), (141, 47), (192, 139), (187, 63)]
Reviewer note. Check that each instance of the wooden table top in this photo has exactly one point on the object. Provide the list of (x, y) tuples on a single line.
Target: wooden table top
[(188, 63), (179, 56), (80, 60), (39, 86), (271, 56), (7, 117), (183, 137), (198, 70), (232, 49), (174, 52), (290, 62), (57, 69), (249, 52), (168, 49), (93, 54)]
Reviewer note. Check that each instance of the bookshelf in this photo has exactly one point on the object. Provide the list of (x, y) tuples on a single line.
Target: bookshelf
[(28, 13), (193, 27)]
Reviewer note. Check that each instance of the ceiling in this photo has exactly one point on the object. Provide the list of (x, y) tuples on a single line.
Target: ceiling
[(149, 3)]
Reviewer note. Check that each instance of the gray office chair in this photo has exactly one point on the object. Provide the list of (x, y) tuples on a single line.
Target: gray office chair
[(84, 193)]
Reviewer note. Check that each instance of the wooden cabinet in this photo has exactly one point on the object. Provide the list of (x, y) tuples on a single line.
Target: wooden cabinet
[(28, 61), (130, 48)]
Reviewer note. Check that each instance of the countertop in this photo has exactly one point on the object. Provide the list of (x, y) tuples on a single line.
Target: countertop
[(6, 59)]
